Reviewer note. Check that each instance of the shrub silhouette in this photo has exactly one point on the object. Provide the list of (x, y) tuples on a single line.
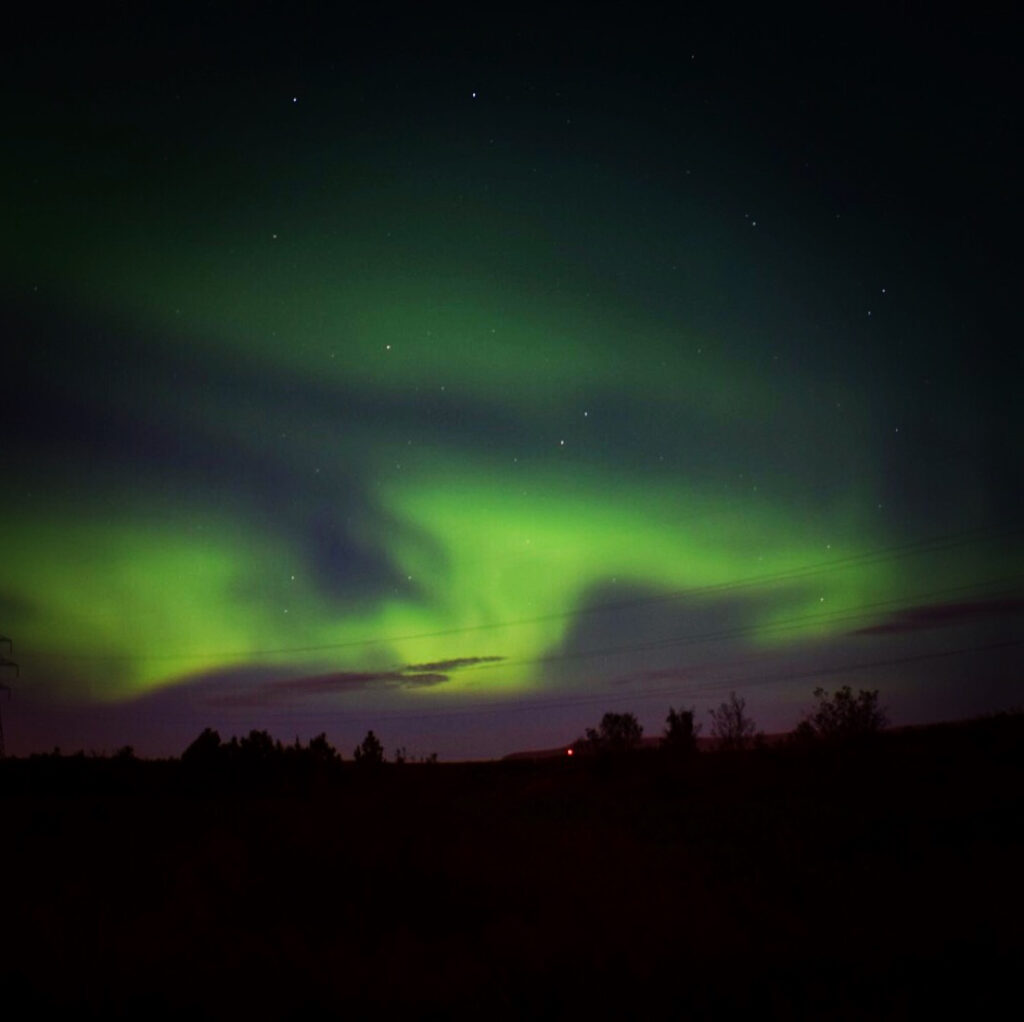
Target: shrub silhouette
[(680, 737), (803, 736), (845, 717), (617, 733), (730, 724)]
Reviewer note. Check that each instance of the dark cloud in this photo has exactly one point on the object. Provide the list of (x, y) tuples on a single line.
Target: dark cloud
[(330, 683), (315, 684), (240, 688), (451, 665), (943, 615), (346, 681)]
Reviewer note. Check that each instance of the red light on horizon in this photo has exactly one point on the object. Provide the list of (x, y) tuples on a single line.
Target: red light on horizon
[(568, 752)]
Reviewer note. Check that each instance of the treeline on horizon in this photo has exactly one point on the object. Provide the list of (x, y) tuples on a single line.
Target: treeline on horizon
[(842, 722)]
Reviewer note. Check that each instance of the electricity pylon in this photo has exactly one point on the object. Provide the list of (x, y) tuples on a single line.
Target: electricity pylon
[(4, 662)]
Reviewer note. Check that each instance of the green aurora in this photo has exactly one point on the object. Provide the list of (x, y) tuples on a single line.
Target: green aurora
[(313, 383)]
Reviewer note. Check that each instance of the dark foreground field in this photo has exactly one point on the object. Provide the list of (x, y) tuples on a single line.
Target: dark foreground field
[(879, 882)]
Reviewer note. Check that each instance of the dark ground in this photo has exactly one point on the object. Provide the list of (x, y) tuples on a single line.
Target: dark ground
[(878, 882)]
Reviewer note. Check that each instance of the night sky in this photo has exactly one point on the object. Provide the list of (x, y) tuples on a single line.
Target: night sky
[(465, 376)]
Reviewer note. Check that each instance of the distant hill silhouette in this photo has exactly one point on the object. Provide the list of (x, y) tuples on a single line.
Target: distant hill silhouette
[(705, 743)]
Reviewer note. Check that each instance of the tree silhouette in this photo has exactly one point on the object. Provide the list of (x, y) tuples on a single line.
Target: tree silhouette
[(370, 752), (617, 733), (680, 737), (258, 754), (730, 724), (204, 751), (259, 747), (845, 717), (320, 751)]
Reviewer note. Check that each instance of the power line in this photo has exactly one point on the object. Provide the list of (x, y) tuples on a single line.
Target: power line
[(935, 544), (835, 617), (4, 662), (677, 691), (864, 611)]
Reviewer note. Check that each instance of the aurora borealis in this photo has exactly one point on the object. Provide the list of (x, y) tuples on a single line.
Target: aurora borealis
[(465, 381)]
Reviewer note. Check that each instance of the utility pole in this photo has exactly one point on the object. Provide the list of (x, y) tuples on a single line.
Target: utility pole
[(4, 662)]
